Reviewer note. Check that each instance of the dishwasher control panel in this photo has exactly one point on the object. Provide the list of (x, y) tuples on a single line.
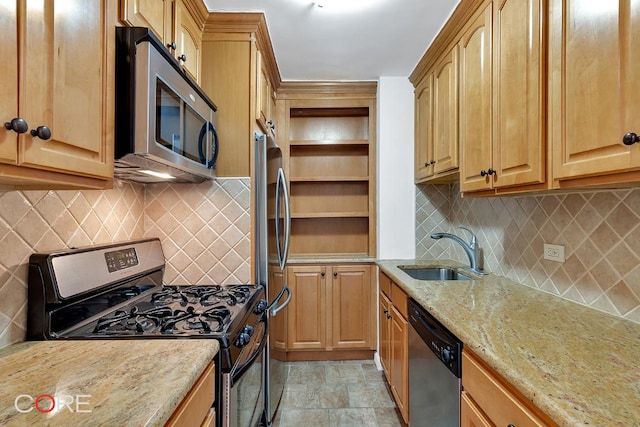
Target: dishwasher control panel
[(444, 344)]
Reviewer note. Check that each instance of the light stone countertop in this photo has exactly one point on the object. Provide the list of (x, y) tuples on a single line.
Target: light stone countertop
[(121, 382), (579, 365)]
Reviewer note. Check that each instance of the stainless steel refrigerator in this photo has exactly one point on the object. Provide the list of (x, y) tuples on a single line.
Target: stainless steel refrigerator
[(272, 237)]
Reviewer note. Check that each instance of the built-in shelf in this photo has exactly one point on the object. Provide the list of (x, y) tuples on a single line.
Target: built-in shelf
[(303, 142), (328, 178)]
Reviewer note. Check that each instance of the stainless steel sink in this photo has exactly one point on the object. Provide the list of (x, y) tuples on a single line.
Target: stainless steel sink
[(433, 273)]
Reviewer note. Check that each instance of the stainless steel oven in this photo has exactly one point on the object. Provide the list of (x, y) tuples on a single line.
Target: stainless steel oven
[(116, 292)]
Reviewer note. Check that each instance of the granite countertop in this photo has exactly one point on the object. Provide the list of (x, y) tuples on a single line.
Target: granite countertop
[(579, 365), (115, 382)]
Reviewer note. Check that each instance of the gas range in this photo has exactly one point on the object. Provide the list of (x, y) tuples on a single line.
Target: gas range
[(117, 292)]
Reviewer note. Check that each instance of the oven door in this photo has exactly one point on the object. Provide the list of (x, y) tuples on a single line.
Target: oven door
[(243, 394)]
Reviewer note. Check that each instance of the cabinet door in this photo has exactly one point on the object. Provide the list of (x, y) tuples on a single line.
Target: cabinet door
[(595, 80), (475, 102), (424, 129), (352, 325), (68, 86), (154, 14), (519, 92), (470, 414), (278, 324), (385, 334), (399, 362), (445, 113), (188, 39), (263, 94), (9, 87), (306, 312)]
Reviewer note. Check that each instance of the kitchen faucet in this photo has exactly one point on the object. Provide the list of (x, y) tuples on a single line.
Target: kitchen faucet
[(471, 249)]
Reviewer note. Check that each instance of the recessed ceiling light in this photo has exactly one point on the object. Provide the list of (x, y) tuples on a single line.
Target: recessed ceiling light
[(345, 5)]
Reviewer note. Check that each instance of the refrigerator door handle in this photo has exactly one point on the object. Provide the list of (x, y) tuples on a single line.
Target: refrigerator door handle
[(282, 190), (287, 214), (277, 309)]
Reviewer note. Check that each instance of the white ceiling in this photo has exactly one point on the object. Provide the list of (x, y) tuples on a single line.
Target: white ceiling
[(313, 43)]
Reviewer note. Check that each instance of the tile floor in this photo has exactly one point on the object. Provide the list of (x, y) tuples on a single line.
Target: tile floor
[(336, 393)]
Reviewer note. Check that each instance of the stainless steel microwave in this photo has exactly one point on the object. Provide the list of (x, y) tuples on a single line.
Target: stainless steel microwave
[(165, 125)]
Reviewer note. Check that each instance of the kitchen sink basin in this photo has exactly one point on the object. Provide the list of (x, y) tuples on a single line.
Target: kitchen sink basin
[(433, 273)]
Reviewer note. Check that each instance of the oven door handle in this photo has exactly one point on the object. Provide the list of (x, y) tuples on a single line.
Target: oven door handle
[(275, 309), (256, 350)]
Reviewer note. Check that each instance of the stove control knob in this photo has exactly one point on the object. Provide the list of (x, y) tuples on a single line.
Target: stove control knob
[(242, 340), (260, 307), (248, 330)]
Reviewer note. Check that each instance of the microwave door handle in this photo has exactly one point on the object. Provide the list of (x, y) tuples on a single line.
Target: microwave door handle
[(202, 142)]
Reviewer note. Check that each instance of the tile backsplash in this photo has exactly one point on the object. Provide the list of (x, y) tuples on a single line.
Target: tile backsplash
[(204, 229), (600, 231)]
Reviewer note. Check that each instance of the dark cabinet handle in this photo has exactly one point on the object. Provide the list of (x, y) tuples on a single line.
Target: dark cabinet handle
[(182, 58), (17, 124), (385, 311), (490, 171), (432, 162), (388, 316), (335, 274), (511, 425), (322, 274), (630, 138), (41, 132), (172, 45)]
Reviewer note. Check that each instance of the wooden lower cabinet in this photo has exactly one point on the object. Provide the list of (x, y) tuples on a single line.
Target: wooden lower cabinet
[(331, 310), (195, 409), (489, 400), (394, 342)]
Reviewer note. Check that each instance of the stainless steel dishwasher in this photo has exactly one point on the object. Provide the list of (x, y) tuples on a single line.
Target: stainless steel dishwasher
[(435, 368)]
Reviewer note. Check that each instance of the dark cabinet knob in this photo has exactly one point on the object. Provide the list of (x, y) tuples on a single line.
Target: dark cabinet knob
[(489, 171), (388, 316), (385, 311), (172, 45), (322, 274), (335, 274), (182, 58), (18, 125), (630, 138), (483, 172), (432, 162), (41, 132), (426, 164)]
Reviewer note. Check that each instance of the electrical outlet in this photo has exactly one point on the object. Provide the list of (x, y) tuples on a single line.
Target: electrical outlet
[(554, 252)]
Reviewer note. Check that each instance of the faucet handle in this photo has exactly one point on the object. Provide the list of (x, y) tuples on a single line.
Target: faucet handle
[(474, 239)]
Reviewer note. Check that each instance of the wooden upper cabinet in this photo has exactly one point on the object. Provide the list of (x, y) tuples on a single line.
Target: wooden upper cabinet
[(595, 78), (502, 97), (263, 95), (424, 160), (154, 14), (188, 39), (445, 113), (476, 101), (68, 85), (436, 120), (61, 85), (519, 92), (9, 87)]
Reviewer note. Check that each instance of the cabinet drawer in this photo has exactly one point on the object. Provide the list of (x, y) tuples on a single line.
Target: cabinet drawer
[(499, 401), (399, 299), (196, 405), (385, 284)]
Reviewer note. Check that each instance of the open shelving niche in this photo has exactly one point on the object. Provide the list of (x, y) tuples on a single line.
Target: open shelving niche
[(330, 181)]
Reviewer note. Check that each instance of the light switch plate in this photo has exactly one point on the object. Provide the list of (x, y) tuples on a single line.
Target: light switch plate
[(554, 252)]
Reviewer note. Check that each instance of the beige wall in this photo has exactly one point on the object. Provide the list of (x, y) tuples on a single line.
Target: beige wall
[(204, 231), (600, 232)]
